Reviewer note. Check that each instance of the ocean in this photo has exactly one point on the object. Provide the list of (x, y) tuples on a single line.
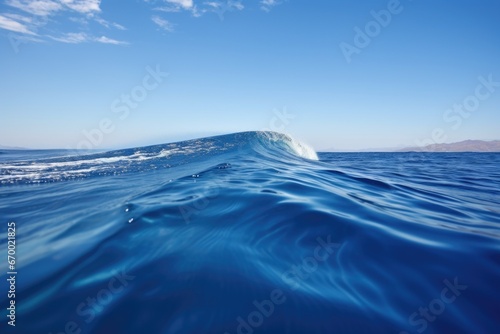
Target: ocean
[(249, 233)]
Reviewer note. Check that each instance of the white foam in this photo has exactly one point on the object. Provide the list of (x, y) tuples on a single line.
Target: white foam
[(301, 149), (304, 150)]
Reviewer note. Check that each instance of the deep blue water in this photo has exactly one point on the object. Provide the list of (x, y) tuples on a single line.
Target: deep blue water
[(248, 233)]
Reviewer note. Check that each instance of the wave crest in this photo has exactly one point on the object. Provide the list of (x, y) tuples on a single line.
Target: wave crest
[(196, 152)]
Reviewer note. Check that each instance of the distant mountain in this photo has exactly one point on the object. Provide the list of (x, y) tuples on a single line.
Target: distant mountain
[(3, 147), (463, 146)]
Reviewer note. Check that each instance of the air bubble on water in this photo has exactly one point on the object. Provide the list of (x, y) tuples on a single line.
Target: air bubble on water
[(130, 220), (224, 166)]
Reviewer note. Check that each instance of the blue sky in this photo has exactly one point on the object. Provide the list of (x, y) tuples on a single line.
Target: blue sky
[(336, 74)]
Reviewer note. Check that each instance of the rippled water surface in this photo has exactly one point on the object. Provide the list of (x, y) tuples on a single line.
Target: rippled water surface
[(252, 233)]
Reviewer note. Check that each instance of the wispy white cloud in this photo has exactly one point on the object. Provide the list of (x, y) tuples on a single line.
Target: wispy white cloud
[(221, 7), (109, 24), (84, 20), (201, 8), (236, 5), (83, 6), (33, 15), (19, 18), (162, 23), (73, 38), (81, 37), (168, 9), (186, 4), (267, 5), (12, 25), (36, 7), (228, 4), (106, 40), (213, 4), (23, 38), (51, 7), (175, 6)]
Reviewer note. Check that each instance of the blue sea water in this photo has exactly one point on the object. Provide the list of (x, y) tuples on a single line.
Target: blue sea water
[(251, 233)]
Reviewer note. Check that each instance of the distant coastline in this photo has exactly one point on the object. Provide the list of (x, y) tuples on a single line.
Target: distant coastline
[(462, 146), (2, 147)]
